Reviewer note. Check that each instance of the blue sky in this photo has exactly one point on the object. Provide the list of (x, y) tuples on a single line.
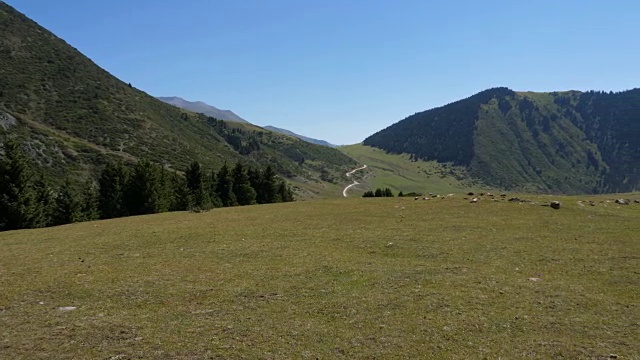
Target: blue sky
[(341, 70)]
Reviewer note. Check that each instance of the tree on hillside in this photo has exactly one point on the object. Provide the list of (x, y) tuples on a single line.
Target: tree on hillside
[(89, 202), (180, 193), (242, 189), (379, 192), (19, 204), (46, 198), (112, 182), (224, 188), (255, 179), (212, 185), (195, 185), (165, 189), (285, 192), (143, 192), (67, 206), (268, 188)]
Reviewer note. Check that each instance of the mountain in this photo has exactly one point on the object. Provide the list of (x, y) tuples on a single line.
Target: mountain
[(228, 115), (569, 142), (302, 137), (73, 117), (200, 107)]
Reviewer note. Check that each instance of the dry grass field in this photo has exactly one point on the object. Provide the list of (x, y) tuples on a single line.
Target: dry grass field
[(341, 278)]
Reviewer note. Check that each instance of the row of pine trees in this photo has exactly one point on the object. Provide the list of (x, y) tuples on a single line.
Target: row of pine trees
[(379, 192), (27, 200)]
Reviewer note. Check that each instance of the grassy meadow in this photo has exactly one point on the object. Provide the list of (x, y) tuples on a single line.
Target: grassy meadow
[(340, 278)]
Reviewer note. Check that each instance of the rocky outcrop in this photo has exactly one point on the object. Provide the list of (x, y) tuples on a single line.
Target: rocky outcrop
[(7, 121)]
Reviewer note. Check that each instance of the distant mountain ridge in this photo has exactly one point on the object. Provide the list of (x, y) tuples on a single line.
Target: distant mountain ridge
[(228, 115), (302, 137), (568, 142), (203, 108)]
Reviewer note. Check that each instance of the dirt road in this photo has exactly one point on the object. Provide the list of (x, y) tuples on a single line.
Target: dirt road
[(344, 192)]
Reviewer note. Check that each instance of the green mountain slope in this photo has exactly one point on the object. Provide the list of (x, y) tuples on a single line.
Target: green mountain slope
[(73, 116), (570, 142), (400, 172)]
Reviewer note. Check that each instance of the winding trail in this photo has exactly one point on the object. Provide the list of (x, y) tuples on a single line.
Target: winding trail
[(344, 192)]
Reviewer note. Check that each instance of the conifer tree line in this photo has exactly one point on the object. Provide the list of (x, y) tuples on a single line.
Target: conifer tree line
[(27, 200), (379, 192)]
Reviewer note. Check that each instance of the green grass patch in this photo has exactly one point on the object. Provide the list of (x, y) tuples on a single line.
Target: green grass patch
[(341, 278)]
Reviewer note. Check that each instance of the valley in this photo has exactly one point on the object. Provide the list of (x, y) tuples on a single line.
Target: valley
[(400, 173), (516, 234)]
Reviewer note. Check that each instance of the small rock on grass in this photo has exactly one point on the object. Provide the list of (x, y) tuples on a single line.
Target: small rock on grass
[(67, 308)]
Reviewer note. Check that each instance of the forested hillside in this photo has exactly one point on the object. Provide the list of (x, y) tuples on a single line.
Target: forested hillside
[(74, 117), (570, 142), (27, 199)]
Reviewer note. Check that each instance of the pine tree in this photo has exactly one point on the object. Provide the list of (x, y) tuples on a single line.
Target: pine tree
[(195, 185), (19, 206), (400, 194), (142, 194), (165, 190), (111, 201), (368, 193), (242, 189), (388, 192), (46, 199), (255, 179), (213, 191), (225, 187), (67, 207), (285, 192), (180, 198), (268, 192), (378, 193), (89, 202)]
